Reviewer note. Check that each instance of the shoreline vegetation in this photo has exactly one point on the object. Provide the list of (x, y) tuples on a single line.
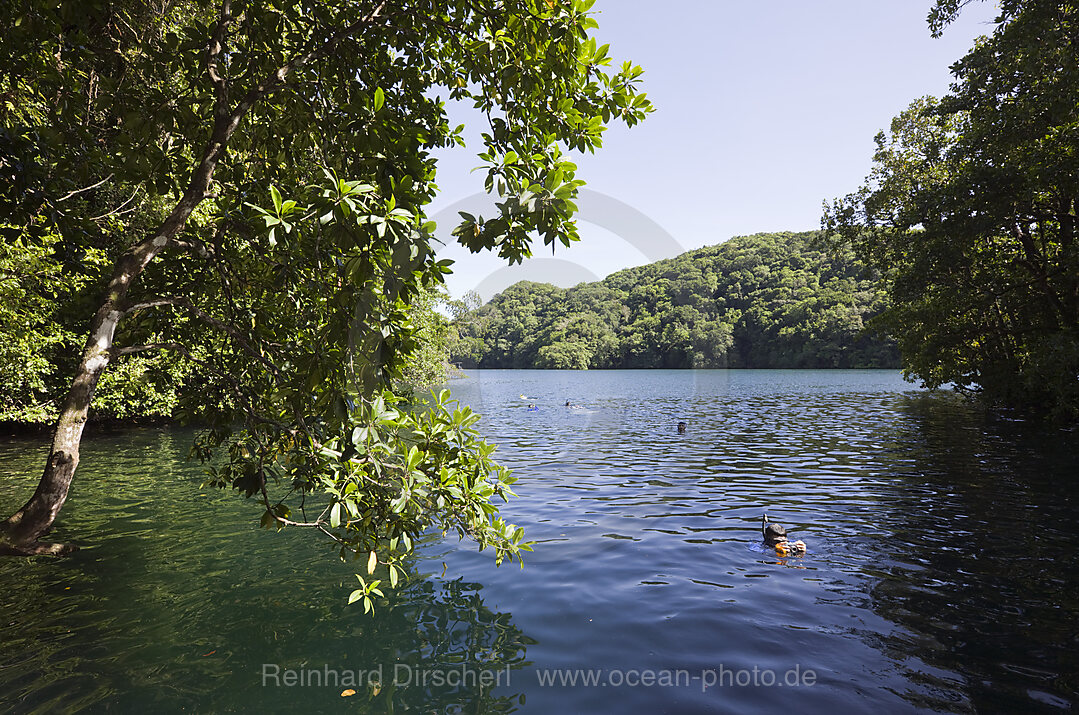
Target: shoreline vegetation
[(12, 428), (769, 300), (148, 391), (258, 256)]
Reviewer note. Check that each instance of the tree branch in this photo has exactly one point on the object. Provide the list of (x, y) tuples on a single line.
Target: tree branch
[(245, 405), (118, 211), (68, 195), (175, 347), (230, 330), (277, 79), (197, 247), (152, 304), (214, 50)]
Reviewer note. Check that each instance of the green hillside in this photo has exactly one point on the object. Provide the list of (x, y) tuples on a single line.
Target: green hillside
[(762, 301)]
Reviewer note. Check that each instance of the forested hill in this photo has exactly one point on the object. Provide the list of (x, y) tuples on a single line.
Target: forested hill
[(762, 301)]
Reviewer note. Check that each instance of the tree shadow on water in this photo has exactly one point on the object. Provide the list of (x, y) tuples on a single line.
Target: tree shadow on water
[(431, 646), (981, 577), (178, 601)]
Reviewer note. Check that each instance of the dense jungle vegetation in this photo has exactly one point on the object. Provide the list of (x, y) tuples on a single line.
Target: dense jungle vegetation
[(776, 300)]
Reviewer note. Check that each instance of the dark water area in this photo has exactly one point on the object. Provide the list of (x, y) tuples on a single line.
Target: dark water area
[(940, 577)]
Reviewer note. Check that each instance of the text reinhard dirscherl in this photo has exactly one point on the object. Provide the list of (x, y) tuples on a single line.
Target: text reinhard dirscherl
[(407, 675)]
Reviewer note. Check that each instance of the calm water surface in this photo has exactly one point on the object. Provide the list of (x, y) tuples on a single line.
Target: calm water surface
[(941, 572)]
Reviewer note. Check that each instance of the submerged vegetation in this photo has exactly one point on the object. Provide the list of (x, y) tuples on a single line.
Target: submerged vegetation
[(765, 301)]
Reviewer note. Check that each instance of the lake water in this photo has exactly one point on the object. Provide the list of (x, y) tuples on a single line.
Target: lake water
[(940, 576)]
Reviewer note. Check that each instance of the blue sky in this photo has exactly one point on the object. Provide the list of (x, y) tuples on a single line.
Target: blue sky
[(763, 111)]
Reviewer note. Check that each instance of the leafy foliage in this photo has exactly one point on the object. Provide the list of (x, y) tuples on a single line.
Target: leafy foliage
[(764, 301), (383, 478), (429, 363), (42, 324), (255, 174), (971, 210)]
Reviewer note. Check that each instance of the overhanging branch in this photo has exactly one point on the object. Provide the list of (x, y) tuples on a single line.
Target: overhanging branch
[(230, 330), (242, 400)]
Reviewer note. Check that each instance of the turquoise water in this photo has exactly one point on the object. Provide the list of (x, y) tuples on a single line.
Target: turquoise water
[(940, 574)]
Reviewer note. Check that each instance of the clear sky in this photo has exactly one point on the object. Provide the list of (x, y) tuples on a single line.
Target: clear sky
[(763, 111)]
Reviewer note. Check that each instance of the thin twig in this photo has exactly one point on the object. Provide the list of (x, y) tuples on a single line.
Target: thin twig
[(87, 188), (118, 211)]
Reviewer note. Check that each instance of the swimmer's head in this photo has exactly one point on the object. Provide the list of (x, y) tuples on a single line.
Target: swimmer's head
[(681, 428), (774, 534)]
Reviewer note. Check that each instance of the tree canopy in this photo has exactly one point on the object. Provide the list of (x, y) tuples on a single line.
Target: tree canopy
[(241, 186), (762, 301), (970, 212)]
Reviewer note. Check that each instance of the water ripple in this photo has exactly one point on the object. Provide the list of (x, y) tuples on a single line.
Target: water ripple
[(936, 579)]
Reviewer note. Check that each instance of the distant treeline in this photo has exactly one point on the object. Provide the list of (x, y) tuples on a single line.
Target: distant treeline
[(776, 300)]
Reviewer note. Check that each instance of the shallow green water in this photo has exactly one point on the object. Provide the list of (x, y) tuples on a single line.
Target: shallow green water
[(940, 575)]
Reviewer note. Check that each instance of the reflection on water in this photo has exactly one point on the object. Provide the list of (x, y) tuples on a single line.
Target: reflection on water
[(177, 601), (940, 572), (984, 571)]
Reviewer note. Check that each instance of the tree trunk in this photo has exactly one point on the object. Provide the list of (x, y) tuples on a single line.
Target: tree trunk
[(20, 533)]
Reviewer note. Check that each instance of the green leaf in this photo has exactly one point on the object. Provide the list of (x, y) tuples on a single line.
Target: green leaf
[(276, 199), (380, 98)]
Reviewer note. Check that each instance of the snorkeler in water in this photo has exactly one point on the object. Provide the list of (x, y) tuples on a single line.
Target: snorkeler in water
[(776, 537)]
